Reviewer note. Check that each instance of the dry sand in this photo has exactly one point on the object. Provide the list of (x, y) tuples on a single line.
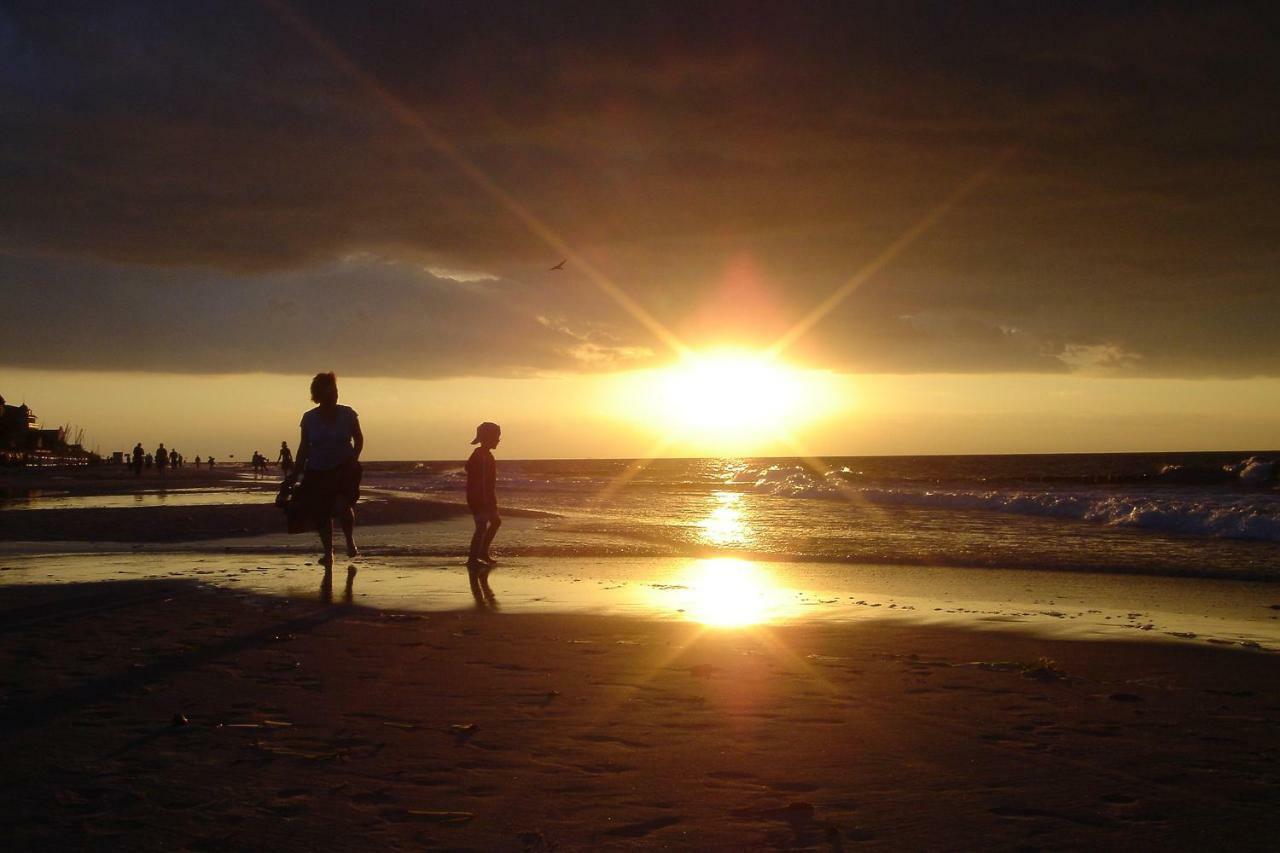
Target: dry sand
[(328, 726)]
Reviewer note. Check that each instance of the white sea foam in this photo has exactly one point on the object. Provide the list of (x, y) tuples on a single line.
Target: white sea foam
[(1228, 517), (1254, 471)]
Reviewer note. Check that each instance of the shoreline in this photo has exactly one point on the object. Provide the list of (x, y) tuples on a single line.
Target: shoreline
[(721, 591), (163, 714), (190, 522)]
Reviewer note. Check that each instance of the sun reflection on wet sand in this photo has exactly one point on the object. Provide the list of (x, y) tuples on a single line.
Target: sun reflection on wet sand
[(724, 592), (717, 593), (725, 524)]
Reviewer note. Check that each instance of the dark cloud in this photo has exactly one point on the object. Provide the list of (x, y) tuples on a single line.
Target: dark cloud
[(217, 156), (362, 315)]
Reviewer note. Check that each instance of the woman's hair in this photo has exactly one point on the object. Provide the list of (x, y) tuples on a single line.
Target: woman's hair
[(321, 383)]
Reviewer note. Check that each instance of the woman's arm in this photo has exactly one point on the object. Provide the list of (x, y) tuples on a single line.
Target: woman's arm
[(357, 437), (300, 461)]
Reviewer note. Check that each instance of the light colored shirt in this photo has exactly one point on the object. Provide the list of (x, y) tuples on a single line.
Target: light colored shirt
[(329, 443)]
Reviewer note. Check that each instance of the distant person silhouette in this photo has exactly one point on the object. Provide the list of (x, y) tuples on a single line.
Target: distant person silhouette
[(285, 458), (329, 460), (210, 463), (162, 459), (173, 459), (138, 456), (482, 499)]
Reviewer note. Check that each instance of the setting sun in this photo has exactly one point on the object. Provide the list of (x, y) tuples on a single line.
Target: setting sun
[(731, 397)]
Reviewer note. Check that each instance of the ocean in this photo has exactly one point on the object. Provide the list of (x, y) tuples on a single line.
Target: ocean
[(1212, 515)]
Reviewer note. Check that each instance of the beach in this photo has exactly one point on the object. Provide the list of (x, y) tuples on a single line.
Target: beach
[(225, 695), (161, 716), (745, 427)]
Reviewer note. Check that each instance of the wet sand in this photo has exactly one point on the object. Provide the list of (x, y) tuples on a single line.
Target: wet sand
[(306, 724), (186, 523), (718, 591), (185, 505)]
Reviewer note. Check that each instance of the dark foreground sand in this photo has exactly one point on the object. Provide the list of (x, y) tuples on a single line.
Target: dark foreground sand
[(313, 725)]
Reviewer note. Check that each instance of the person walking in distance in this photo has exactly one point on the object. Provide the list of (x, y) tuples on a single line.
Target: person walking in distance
[(285, 458)]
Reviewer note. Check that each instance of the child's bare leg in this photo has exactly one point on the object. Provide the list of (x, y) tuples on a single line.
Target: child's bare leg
[(477, 541), (348, 518), (494, 523)]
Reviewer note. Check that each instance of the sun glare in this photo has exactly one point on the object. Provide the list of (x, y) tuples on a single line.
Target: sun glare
[(726, 593), (728, 398)]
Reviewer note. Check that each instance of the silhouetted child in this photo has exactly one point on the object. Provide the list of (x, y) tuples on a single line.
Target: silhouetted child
[(482, 499)]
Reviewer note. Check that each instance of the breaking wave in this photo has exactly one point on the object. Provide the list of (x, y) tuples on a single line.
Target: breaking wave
[(1229, 516)]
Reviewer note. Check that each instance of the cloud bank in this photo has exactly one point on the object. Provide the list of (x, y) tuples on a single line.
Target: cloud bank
[(204, 190)]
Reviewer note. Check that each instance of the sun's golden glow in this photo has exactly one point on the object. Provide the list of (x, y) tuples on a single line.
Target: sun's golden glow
[(725, 525), (724, 592), (726, 399)]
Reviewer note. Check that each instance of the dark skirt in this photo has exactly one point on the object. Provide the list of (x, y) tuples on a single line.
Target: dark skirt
[(335, 490)]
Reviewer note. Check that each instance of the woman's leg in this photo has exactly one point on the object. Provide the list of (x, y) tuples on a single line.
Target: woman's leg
[(348, 518), (325, 525)]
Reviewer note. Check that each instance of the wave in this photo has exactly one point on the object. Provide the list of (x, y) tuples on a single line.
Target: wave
[(1247, 518)]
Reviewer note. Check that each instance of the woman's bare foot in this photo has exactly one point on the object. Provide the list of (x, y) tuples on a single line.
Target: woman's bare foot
[(352, 550), (327, 560)]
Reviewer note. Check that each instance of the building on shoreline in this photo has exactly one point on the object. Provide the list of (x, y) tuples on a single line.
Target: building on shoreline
[(23, 441)]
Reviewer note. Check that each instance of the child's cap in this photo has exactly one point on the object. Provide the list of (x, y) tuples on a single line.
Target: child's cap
[(486, 428)]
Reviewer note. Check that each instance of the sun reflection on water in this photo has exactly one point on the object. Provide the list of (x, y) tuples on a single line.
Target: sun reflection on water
[(725, 524), (725, 592)]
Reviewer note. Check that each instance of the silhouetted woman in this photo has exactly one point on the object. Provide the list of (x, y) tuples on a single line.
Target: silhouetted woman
[(328, 457)]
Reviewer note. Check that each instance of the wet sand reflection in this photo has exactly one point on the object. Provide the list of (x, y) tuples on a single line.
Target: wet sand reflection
[(480, 589), (326, 586)]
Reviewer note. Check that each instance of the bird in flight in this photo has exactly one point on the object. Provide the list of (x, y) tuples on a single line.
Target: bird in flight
[(559, 266)]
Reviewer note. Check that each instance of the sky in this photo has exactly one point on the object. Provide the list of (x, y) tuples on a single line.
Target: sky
[(988, 227)]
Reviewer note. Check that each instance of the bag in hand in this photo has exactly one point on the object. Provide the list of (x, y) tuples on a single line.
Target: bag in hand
[(295, 502)]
